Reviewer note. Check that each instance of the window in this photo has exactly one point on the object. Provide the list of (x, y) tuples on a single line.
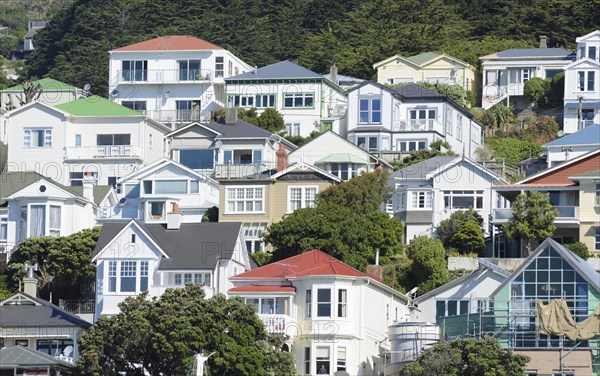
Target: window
[(301, 197), (143, 275), (243, 100), (202, 278), (597, 198), (592, 52), (367, 143), (491, 78), (187, 110), (37, 138), (134, 70), (189, 70), (23, 223), (53, 347), (22, 342), (597, 243), (476, 134), (157, 209), (229, 68), (253, 234), (421, 199), (344, 171), (78, 140), (113, 139), (369, 111), (37, 225), (421, 119), (54, 229), (526, 74), (459, 130), (449, 126), (307, 360), (461, 200), (3, 228), (308, 304), (440, 308), (342, 303), (219, 66), (265, 100), (582, 81), (410, 146), (292, 129), (324, 303), (76, 178), (139, 106), (112, 276), (128, 276), (323, 365), (178, 280), (170, 186), (244, 200), (341, 359), (197, 159), (298, 100)]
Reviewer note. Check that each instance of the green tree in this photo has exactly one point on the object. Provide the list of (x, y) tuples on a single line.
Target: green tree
[(364, 193), (580, 249), (532, 219), (471, 237), (513, 150), (537, 89), (428, 268), (436, 148), (249, 116), (271, 120), (211, 215), (462, 232), (162, 335), (467, 357), (456, 93), (498, 118)]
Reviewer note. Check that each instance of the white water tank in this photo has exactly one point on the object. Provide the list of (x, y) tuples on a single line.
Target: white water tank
[(409, 339)]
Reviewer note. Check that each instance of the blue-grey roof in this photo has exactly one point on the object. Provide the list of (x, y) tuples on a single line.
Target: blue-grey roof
[(240, 129), (282, 70), (23, 357), (415, 91), (586, 136), (43, 315), (532, 52), (419, 170)]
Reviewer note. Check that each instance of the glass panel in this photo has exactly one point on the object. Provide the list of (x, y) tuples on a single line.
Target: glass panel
[(38, 220), (197, 159), (170, 186), (323, 302)]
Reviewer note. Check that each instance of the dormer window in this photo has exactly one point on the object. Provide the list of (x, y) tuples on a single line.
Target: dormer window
[(592, 52)]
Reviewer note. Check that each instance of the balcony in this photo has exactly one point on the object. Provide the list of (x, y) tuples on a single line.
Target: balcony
[(417, 125), (103, 152), (178, 116), (566, 215), (78, 306), (275, 324), (239, 170), (165, 76)]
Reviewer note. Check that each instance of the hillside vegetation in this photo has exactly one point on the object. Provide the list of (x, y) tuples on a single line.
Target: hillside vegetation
[(74, 47)]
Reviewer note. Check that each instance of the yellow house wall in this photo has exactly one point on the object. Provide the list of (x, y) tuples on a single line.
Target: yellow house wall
[(279, 197), (245, 218), (589, 215)]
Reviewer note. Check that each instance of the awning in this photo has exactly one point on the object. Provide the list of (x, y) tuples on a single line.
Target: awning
[(342, 158)]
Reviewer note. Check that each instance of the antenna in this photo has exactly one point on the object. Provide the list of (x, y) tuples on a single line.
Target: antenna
[(30, 269)]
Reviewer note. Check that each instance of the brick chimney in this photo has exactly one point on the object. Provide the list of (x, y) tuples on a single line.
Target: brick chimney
[(375, 271), (282, 158), (543, 41)]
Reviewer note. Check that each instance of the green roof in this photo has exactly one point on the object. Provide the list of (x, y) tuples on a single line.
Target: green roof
[(423, 58), (96, 106), (100, 191), (48, 84)]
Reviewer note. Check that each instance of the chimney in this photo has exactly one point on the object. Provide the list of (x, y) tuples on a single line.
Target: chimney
[(543, 41), (282, 158), (30, 282), (231, 115), (333, 72), (375, 271), (88, 186), (174, 217)]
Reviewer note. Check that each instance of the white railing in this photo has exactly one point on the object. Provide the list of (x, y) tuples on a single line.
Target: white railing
[(103, 151), (152, 76), (564, 213), (275, 324), (178, 116), (64, 358), (237, 170)]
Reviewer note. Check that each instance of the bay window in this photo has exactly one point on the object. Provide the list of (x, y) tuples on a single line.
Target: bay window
[(37, 223), (462, 200), (37, 137), (301, 197), (323, 360), (123, 276), (323, 302), (39, 220), (128, 276), (344, 171), (54, 221), (244, 200), (342, 303), (269, 306), (367, 142), (308, 304)]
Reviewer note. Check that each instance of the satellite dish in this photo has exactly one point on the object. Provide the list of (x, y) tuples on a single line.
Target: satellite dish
[(114, 93), (87, 87), (122, 202), (68, 351), (560, 133)]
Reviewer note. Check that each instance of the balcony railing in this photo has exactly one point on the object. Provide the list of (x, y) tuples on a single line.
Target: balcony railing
[(565, 213), (275, 324), (238, 170), (161, 76), (178, 116), (78, 306), (103, 151), (416, 125)]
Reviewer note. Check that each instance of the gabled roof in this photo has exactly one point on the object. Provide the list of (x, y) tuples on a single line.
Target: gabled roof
[(586, 136), (312, 263), (303, 166), (35, 312), (96, 106), (23, 357), (193, 246), (419, 171), (99, 193), (48, 84), (595, 33), (420, 59), (423, 58), (584, 269), (517, 53), (282, 70), (584, 61), (159, 164), (263, 289), (170, 43), (594, 174)]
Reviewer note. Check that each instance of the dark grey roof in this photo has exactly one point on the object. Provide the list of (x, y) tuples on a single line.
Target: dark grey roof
[(419, 170), (100, 191), (412, 91), (24, 315), (20, 356), (193, 246), (282, 70), (239, 129), (11, 182), (533, 52)]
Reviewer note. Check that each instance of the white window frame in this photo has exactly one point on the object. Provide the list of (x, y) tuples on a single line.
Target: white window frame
[(597, 238), (54, 229), (475, 195), (305, 197), (459, 124), (344, 174), (330, 303), (416, 197), (4, 228), (341, 361), (407, 145), (527, 74), (46, 134), (219, 66), (308, 304), (597, 197), (342, 303), (242, 100), (292, 129), (303, 97), (112, 269), (264, 100), (475, 134), (369, 110), (236, 199)]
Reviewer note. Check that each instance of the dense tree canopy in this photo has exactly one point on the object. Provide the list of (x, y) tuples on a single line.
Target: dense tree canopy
[(462, 232), (364, 193), (162, 335), (428, 268), (74, 47)]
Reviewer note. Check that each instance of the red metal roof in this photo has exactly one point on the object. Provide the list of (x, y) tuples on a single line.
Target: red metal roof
[(171, 43), (313, 263), (285, 289)]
